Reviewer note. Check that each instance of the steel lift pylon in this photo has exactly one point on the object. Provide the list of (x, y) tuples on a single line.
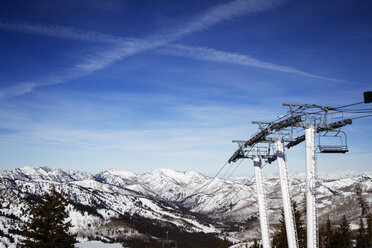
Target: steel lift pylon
[(256, 155), (311, 213), (264, 225), (290, 224), (315, 122)]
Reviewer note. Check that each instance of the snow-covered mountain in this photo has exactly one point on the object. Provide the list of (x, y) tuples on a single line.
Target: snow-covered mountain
[(95, 207), (235, 199), (100, 203)]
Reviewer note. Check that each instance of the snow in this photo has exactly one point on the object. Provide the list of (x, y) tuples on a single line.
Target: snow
[(110, 196), (97, 244), (354, 226), (28, 170), (124, 174)]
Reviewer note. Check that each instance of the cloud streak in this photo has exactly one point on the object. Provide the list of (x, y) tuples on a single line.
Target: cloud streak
[(218, 14), (122, 47), (63, 32), (209, 54)]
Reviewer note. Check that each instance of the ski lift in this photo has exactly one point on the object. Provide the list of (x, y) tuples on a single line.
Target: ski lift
[(169, 243), (333, 142)]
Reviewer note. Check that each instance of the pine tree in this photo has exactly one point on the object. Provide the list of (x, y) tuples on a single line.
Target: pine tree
[(300, 226), (225, 243), (369, 229), (322, 236), (364, 237), (255, 244), (328, 240), (361, 240), (342, 235), (47, 227), (280, 237)]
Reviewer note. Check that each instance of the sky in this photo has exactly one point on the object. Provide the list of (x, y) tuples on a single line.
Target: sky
[(140, 85)]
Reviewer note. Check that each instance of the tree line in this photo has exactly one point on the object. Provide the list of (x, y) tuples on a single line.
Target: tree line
[(47, 227), (331, 235)]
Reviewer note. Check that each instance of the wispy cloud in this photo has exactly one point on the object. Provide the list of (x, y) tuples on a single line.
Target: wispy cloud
[(62, 32), (209, 54), (218, 14), (26, 87), (55, 121), (123, 47), (103, 58)]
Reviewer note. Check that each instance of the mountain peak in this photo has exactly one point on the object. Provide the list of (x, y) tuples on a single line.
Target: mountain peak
[(120, 173)]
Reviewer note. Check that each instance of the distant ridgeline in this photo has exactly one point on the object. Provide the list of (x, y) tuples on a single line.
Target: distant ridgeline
[(124, 207)]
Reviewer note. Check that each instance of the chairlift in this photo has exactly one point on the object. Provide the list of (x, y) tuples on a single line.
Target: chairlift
[(169, 243), (333, 142)]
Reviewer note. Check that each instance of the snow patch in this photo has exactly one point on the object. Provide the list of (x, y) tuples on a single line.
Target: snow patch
[(97, 244)]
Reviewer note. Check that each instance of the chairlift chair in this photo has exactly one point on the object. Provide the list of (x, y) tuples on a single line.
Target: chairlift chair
[(169, 243), (338, 144)]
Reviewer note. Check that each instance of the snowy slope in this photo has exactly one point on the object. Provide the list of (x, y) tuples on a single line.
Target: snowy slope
[(92, 206), (163, 194), (235, 200)]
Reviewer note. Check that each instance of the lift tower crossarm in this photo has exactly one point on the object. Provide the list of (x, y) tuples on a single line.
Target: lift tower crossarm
[(258, 137), (308, 106), (237, 154), (334, 125), (297, 141), (313, 125)]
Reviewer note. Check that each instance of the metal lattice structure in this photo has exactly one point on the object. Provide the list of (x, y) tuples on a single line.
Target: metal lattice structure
[(269, 144)]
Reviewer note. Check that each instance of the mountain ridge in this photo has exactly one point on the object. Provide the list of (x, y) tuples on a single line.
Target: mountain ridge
[(172, 197)]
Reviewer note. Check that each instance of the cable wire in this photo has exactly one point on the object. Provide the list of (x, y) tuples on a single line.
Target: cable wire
[(349, 105), (360, 117), (219, 188), (246, 184), (210, 182)]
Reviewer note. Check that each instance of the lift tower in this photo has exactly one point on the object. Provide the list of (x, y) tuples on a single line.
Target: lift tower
[(254, 150), (256, 154), (314, 122)]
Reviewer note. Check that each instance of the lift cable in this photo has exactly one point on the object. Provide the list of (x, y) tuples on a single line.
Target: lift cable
[(219, 188), (349, 105), (246, 184), (228, 169), (356, 111), (210, 182), (236, 167), (360, 117)]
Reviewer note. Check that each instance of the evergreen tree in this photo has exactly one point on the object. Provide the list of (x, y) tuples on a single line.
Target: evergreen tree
[(361, 240), (328, 237), (369, 229), (322, 236), (224, 244), (364, 237), (280, 237), (342, 235), (47, 227), (300, 226), (255, 244)]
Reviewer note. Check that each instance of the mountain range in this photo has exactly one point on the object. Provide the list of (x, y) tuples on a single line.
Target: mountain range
[(104, 206)]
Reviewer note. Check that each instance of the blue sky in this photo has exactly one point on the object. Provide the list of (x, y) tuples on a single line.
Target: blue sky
[(140, 85)]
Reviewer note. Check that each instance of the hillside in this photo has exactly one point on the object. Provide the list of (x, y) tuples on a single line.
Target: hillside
[(115, 205)]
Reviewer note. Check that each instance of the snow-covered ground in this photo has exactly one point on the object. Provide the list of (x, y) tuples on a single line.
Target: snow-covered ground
[(99, 201), (97, 244)]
